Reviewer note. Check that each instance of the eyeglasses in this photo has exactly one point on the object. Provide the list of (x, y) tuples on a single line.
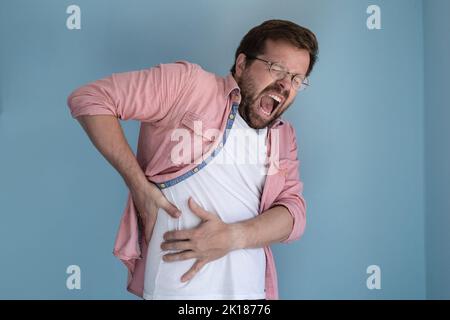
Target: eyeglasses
[(279, 72)]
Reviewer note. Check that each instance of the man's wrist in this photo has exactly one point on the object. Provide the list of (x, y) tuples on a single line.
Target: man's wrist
[(137, 181), (238, 235)]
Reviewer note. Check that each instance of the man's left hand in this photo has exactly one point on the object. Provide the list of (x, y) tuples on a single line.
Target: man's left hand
[(211, 240)]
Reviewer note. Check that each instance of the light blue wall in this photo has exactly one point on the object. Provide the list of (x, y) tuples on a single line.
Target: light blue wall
[(360, 134), (437, 150), (361, 146)]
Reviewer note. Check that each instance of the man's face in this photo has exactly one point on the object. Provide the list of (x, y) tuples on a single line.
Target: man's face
[(260, 91)]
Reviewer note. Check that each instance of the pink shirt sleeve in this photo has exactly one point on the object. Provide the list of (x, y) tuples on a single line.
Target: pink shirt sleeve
[(291, 196), (146, 95)]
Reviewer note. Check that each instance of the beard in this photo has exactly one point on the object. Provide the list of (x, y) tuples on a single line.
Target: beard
[(250, 102)]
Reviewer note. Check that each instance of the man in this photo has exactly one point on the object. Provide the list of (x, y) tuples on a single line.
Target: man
[(198, 222)]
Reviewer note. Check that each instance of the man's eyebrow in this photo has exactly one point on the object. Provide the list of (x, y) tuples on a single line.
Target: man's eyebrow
[(278, 61), (290, 71), (298, 73)]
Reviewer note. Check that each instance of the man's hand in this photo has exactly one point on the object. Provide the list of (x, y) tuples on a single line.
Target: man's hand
[(148, 199), (211, 240)]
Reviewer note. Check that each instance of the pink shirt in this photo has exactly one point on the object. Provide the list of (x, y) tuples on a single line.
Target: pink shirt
[(175, 95)]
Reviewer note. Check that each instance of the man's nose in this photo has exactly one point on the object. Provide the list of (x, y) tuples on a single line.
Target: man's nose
[(285, 83), (284, 86)]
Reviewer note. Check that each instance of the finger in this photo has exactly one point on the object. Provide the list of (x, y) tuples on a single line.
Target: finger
[(193, 271), (170, 208), (185, 255), (177, 235), (199, 211), (176, 245)]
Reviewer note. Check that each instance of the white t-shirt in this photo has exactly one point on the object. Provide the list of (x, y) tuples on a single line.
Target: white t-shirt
[(231, 187)]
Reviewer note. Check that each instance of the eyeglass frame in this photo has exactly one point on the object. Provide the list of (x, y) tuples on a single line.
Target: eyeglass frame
[(303, 85)]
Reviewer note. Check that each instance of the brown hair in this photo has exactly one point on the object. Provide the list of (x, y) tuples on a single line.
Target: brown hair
[(254, 41)]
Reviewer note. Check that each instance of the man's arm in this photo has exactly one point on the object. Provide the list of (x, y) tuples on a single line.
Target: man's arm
[(213, 238), (274, 225), (138, 95), (106, 134)]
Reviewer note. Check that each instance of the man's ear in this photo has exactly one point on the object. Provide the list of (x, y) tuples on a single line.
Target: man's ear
[(240, 64)]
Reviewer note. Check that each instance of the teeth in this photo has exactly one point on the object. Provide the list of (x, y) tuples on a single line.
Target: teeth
[(276, 98)]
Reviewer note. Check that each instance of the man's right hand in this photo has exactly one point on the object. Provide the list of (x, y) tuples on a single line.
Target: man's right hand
[(147, 200)]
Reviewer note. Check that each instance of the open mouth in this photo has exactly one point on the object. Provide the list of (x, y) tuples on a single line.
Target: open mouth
[(269, 103)]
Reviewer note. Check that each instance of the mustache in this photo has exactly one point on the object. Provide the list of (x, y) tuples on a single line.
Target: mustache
[(276, 89)]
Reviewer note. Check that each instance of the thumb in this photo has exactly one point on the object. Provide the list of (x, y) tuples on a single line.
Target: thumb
[(170, 208), (199, 211)]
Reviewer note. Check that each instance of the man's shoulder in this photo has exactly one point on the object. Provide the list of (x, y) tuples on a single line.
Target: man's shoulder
[(188, 66), (177, 67), (206, 82)]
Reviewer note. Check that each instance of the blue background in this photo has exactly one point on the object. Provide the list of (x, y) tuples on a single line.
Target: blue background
[(372, 133)]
